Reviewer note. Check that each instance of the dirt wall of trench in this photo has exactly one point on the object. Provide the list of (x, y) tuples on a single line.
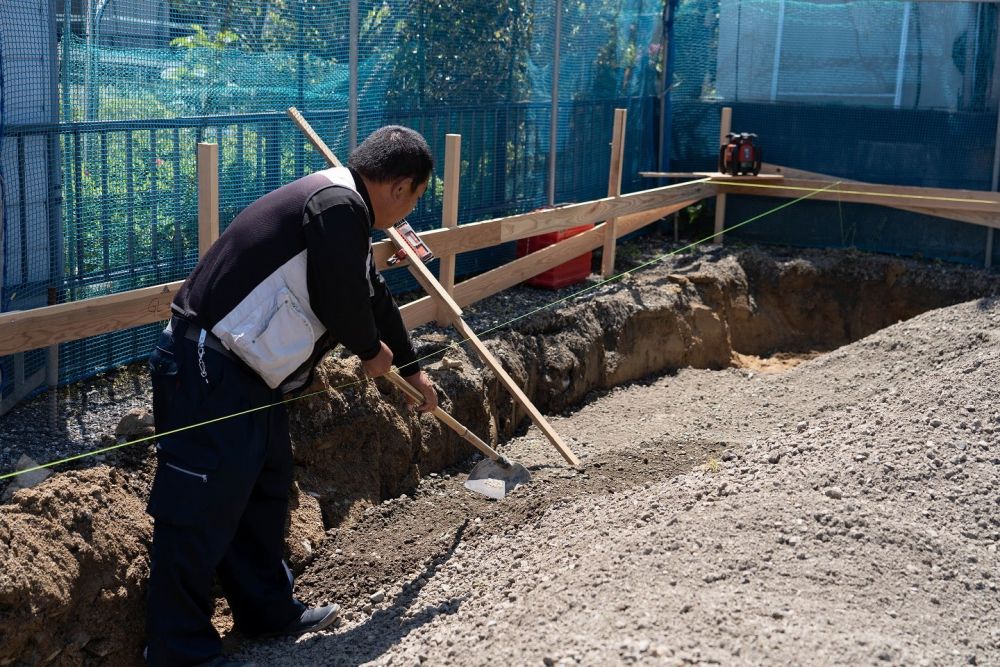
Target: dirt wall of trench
[(73, 550)]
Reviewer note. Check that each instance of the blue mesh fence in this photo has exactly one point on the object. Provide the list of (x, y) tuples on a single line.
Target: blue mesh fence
[(881, 91), (103, 104)]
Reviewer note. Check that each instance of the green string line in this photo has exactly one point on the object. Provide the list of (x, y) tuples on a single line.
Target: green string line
[(660, 258), (657, 259)]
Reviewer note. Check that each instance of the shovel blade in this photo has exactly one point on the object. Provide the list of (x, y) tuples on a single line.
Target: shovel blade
[(495, 480)]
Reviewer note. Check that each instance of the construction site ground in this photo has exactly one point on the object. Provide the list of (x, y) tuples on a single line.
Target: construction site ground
[(811, 475), (841, 511)]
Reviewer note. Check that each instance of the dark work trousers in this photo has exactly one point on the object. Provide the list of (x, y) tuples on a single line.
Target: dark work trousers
[(219, 501)]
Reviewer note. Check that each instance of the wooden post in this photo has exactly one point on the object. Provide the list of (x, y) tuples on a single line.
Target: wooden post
[(720, 202), (449, 216), (208, 196), (614, 190)]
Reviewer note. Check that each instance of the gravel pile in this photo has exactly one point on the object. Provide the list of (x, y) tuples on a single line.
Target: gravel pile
[(844, 512), (74, 419)]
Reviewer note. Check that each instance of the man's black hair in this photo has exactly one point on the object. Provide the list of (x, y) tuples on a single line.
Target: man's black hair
[(393, 152)]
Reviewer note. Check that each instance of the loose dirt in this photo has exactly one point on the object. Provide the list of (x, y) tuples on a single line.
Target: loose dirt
[(749, 494), (843, 512)]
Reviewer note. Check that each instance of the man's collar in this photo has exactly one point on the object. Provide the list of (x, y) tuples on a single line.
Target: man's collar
[(359, 184)]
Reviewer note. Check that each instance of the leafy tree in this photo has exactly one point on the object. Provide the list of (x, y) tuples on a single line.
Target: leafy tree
[(462, 51)]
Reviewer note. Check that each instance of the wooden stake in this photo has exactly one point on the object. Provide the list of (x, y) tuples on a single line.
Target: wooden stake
[(725, 127), (449, 214), (427, 280), (314, 138), (614, 190), (208, 196)]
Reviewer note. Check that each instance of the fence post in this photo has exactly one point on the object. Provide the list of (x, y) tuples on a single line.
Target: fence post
[(208, 196), (554, 112), (352, 94), (720, 201), (614, 190), (449, 217)]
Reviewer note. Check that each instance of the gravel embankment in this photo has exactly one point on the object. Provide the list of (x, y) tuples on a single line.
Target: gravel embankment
[(842, 513)]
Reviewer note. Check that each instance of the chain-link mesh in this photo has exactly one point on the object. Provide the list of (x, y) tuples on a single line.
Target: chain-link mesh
[(104, 102)]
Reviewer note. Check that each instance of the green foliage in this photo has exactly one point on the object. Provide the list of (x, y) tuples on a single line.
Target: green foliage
[(435, 64), (200, 39)]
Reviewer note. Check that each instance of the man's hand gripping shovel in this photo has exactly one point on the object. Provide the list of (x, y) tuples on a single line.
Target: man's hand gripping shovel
[(494, 476)]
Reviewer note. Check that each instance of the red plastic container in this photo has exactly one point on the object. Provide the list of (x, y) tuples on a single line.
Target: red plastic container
[(569, 273)]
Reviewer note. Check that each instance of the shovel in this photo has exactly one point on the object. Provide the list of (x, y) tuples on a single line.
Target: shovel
[(494, 476)]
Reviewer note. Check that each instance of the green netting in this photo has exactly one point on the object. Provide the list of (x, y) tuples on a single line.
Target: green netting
[(103, 103)]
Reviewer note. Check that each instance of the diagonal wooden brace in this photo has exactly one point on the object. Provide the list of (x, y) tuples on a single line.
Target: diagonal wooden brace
[(447, 304), (434, 288)]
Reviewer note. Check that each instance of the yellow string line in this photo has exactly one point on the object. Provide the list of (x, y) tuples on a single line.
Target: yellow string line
[(742, 184), (655, 260)]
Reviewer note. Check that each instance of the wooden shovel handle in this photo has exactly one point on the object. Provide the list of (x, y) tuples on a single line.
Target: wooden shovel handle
[(448, 420)]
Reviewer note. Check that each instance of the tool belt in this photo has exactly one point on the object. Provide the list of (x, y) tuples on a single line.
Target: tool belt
[(184, 328)]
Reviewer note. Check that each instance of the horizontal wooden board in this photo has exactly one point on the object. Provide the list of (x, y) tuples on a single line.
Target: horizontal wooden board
[(908, 198), (984, 218), (478, 235), (479, 287), (40, 327)]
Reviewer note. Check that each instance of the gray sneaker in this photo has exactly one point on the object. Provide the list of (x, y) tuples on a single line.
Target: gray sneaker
[(311, 620)]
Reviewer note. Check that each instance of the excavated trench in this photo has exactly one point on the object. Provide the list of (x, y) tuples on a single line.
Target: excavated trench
[(73, 560)]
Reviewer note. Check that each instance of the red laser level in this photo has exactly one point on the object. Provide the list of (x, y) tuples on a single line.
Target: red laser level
[(414, 241), (740, 154)]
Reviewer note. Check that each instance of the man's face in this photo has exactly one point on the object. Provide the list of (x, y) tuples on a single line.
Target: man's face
[(398, 200)]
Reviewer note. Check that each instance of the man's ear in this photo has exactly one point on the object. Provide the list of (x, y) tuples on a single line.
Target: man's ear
[(401, 188)]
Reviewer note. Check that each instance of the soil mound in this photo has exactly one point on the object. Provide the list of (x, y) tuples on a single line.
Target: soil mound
[(74, 555)]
